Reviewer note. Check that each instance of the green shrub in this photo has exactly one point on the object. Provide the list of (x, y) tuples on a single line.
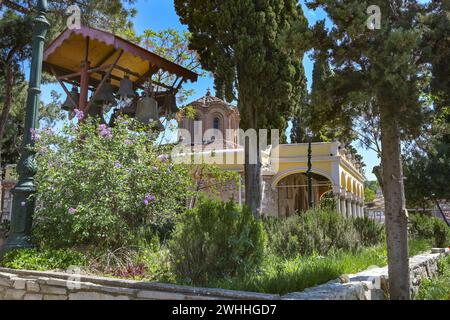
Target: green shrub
[(42, 260), (105, 187), (216, 240), (431, 228), (370, 232), (441, 234), (437, 288), (311, 232)]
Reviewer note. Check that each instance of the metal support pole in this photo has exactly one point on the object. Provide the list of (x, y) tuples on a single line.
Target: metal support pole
[(309, 173), (24, 192)]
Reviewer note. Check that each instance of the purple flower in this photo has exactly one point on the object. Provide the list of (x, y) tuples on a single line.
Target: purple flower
[(72, 211), (79, 114), (154, 169), (105, 131), (117, 165), (35, 136), (149, 198), (128, 142), (49, 132), (163, 158)]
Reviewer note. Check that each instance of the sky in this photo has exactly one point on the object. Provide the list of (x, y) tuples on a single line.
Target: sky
[(160, 14)]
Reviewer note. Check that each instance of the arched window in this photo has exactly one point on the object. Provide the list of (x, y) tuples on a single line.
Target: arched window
[(216, 123)]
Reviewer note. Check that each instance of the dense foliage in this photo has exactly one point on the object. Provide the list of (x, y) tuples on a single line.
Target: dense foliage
[(426, 227), (437, 288), (105, 187), (321, 232), (33, 259), (216, 240)]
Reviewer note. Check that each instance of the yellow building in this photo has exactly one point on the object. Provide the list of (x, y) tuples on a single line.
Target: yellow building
[(213, 136)]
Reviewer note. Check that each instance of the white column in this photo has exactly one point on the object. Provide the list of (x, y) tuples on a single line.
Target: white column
[(343, 207), (353, 209), (337, 198), (349, 208)]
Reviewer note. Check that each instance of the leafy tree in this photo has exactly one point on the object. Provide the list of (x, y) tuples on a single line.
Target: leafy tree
[(370, 190), (428, 159), (15, 37), (427, 165), (173, 46), (243, 44), (380, 67)]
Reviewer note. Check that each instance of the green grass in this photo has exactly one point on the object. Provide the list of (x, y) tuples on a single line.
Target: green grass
[(281, 276), (437, 288)]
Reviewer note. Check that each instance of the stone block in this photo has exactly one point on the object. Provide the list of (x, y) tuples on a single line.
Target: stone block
[(6, 282), (19, 284), (33, 286), (86, 295), (160, 295), (52, 290), (13, 294), (33, 296)]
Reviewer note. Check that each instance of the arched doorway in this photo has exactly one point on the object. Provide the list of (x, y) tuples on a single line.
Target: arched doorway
[(293, 192)]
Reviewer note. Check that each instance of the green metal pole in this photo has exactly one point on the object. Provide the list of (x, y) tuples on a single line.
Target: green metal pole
[(309, 174), (24, 192)]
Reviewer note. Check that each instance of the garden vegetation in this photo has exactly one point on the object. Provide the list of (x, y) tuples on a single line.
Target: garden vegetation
[(112, 203)]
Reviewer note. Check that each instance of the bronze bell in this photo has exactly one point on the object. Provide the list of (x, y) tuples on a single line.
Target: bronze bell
[(147, 110), (106, 94), (67, 105), (126, 88), (170, 104)]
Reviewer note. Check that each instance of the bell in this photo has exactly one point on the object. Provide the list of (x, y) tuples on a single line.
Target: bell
[(147, 110), (126, 88), (106, 94), (67, 105), (170, 104)]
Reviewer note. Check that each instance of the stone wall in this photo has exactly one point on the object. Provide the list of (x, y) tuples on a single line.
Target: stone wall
[(372, 284), (33, 285)]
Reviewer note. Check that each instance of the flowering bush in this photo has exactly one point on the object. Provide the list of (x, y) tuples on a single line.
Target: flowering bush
[(105, 187)]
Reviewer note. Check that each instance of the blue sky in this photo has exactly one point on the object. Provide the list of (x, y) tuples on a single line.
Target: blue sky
[(160, 14)]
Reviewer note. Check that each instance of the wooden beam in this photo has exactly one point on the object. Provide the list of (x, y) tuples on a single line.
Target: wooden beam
[(78, 74), (105, 77), (86, 53), (69, 95), (84, 85)]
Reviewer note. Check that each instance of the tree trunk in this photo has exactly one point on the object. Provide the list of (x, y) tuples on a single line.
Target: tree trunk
[(252, 173), (9, 83), (395, 209)]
